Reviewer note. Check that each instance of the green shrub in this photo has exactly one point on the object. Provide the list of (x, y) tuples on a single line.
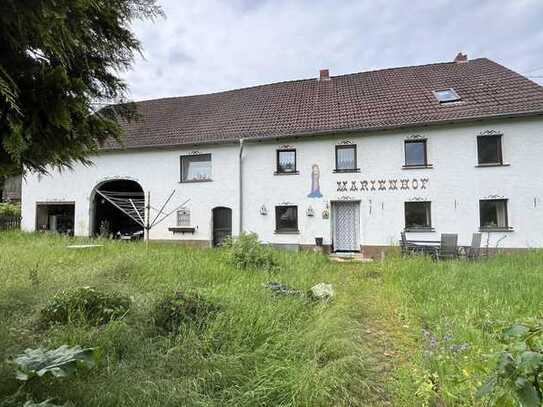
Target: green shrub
[(8, 209), (247, 252), (518, 375), (179, 309), (84, 305)]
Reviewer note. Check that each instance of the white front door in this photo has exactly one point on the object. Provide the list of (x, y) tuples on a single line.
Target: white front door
[(345, 218)]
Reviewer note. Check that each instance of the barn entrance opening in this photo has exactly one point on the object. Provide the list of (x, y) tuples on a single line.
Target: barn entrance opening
[(118, 210)]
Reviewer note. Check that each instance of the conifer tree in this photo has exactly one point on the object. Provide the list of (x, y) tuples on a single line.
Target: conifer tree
[(57, 59)]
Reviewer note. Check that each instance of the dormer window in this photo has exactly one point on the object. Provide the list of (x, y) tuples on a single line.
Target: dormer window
[(446, 95)]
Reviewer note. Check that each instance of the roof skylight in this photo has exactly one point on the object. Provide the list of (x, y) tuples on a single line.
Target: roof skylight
[(446, 95)]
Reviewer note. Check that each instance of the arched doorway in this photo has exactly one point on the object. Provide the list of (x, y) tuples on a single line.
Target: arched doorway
[(106, 217), (222, 224)]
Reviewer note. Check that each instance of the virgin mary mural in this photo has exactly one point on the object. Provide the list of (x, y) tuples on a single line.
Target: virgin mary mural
[(315, 185)]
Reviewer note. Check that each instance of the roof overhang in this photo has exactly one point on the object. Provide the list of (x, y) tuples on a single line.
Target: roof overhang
[(264, 137)]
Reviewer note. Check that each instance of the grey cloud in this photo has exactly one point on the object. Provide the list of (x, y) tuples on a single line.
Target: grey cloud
[(178, 56), (213, 45)]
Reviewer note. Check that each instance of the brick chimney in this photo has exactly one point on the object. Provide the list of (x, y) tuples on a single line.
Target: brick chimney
[(324, 75), (460, 58)]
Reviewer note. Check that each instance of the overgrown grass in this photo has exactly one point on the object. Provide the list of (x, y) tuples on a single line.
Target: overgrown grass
[(462, 309), (259, 349), (403, 332)]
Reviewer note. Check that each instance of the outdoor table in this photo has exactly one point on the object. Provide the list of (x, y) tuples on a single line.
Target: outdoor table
[(424, 246), (426, 242)]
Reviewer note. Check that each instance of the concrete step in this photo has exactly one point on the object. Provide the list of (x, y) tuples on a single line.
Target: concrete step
[(354, 257)]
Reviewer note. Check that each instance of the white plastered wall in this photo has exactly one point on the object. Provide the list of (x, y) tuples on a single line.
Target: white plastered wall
[(455, 184), (157, 171)]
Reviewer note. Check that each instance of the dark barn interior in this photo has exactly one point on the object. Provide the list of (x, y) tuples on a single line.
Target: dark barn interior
[(109, 220)]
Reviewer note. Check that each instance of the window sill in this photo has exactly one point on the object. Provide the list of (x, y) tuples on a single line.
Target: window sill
[(492, 165), (417, 167), (495, 229), (182, 229), (286, 173), (287, 232), (346, 170), (193, 181), (419, 230)]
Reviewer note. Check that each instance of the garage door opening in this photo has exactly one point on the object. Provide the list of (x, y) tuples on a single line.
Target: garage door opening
[(56, 217), (116, 204)]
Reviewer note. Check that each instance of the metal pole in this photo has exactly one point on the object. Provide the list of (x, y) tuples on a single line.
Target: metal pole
[(240, 186), (161, 209), (169, 213), (135, 209), (147, 225)]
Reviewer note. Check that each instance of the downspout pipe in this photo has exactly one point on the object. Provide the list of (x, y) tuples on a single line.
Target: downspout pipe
[(240, 186)]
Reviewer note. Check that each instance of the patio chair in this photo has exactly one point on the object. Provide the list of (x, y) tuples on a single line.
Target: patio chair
[(403, 243), (474, 251), (448, 249), (407, 247)]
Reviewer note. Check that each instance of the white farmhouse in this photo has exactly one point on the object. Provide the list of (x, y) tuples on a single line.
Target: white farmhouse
[(348, 161)]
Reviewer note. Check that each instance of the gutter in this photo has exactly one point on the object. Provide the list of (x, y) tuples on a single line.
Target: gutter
[(240, 186)]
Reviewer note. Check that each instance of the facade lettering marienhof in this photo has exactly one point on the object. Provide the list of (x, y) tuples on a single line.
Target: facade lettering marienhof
[(392, 184)]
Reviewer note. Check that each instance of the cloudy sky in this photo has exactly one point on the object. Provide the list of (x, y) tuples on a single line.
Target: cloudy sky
[(207, 46)]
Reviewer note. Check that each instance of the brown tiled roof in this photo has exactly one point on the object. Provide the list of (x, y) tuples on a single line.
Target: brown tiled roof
[(387, 98)]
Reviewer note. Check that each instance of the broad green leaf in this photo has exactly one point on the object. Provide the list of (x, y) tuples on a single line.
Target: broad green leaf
[(516, 331), (528, 395), (530, 362), (506, 366), (518, 347), (505, 400), (488, 387), (60, 362)]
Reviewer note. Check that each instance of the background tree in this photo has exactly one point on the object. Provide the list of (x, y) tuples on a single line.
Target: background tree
[(57, 58)]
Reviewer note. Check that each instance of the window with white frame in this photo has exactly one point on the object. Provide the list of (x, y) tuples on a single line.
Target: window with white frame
[(418, 215), (286, 219), (346, 158), (196, 168), (416, 153), (286, 161), (493, 214)]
